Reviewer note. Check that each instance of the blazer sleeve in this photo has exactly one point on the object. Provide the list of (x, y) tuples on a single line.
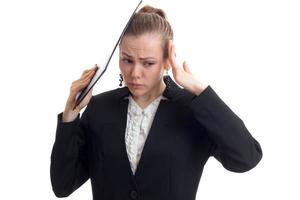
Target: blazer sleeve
[(231, 142), (69, 161)]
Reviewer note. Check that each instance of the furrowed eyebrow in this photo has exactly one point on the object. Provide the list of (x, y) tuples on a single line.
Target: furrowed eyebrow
[(140, 58), (126, 54)]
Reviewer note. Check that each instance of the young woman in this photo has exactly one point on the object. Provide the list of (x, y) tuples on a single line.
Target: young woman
[(151, 138)]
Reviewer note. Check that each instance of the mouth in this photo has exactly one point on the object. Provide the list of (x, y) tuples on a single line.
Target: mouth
[(136, 85)]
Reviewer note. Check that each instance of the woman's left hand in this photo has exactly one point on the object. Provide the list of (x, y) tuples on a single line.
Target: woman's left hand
[(183, 77)]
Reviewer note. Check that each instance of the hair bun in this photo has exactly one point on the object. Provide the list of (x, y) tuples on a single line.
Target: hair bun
[(150, 9)]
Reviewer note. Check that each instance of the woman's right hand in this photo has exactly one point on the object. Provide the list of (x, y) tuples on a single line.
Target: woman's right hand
[(69, 114)]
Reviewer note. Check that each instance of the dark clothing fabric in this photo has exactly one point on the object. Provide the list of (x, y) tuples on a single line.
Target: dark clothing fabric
[(186, 130)]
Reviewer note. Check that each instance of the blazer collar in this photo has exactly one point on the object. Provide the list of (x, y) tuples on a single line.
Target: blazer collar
[(170, 92)]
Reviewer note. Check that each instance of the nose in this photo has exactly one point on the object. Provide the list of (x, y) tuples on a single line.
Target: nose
[(136, 72)]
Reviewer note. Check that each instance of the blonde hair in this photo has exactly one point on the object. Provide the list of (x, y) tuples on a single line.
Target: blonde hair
[(151, 20)]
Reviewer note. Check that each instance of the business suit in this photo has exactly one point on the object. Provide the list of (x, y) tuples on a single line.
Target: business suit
[(186, 130)]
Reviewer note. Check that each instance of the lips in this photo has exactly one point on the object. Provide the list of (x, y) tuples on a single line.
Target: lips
[(136, 84)]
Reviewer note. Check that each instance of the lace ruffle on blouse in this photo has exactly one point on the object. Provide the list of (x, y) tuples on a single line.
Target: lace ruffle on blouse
[(139, 122)]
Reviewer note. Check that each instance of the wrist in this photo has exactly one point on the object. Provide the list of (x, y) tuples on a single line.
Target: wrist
[(198, 88), (69, 116)]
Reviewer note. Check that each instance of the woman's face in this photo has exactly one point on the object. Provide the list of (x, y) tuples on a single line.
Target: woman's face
[(141, 63)]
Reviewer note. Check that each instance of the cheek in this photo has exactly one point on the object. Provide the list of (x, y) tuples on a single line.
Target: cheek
[(155, 73), (122, 67), (159, 68), (125, 71)]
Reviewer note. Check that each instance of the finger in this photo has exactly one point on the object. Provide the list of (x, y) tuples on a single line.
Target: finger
[(76, 89), (80, 84), (78, 81), (86, 98), (90, 93), (88, 74), (85, 72), (89, 70), (87, 78)]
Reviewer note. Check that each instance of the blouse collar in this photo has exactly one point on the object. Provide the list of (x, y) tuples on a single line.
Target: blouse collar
[(136, 110)]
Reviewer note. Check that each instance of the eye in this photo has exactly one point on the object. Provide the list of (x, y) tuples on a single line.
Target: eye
[(149, 64), (125, 60)]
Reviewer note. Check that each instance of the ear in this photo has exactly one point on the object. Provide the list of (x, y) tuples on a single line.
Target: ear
[(167, 65)]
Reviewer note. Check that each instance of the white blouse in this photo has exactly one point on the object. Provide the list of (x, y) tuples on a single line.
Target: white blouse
[(139, 122)]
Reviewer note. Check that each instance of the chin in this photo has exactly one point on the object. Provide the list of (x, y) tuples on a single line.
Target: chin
[(137, 92)]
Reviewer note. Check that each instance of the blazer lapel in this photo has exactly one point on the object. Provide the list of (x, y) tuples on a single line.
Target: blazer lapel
[(154, 137), (123, 106)]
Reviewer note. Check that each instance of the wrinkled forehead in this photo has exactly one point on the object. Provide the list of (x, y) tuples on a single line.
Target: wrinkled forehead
[(144, 45)]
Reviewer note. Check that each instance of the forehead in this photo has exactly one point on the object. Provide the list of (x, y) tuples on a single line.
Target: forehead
[(142, 45)]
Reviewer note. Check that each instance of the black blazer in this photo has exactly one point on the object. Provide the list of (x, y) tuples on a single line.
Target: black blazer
[(186, 130)]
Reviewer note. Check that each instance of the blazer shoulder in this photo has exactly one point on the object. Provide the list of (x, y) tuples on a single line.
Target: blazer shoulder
[(111, 95)]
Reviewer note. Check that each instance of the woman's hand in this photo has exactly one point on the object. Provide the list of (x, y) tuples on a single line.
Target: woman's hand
[(69, 114), (183, 77)]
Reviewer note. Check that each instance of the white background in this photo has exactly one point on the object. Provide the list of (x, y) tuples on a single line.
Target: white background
[(248, 51)]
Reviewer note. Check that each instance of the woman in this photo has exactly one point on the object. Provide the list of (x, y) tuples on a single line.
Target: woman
[(151, 138)]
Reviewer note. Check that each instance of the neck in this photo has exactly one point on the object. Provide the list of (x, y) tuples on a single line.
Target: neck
[(144, 101)]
